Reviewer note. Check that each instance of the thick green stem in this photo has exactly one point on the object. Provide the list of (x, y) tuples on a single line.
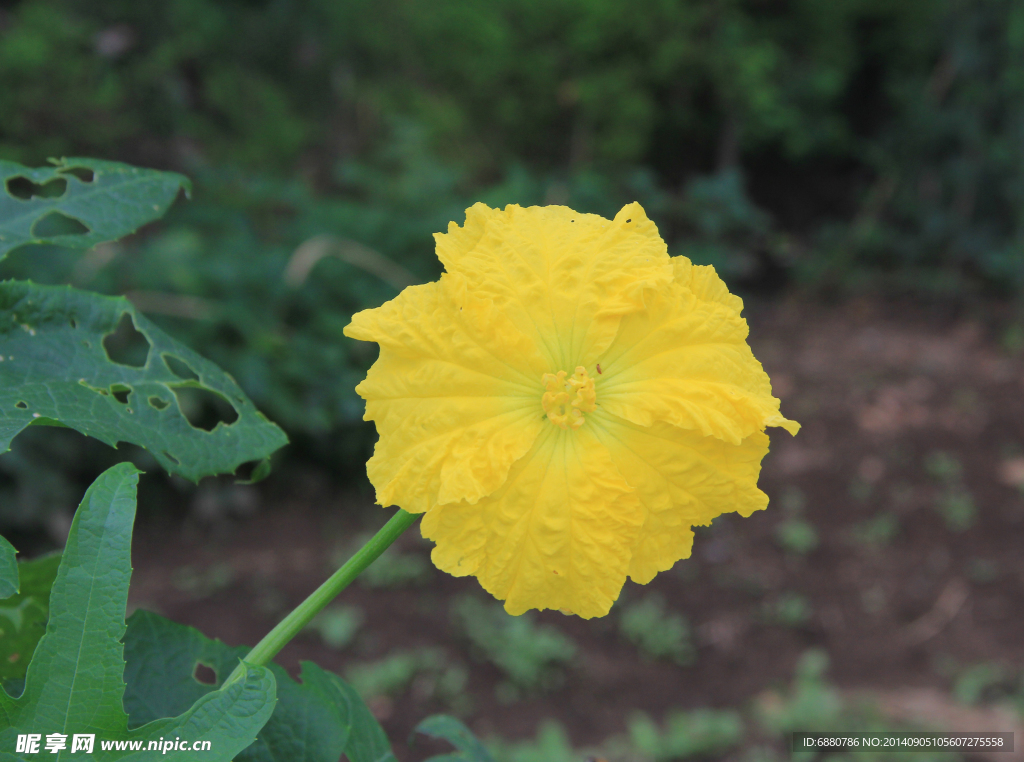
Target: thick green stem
[(292, 624)]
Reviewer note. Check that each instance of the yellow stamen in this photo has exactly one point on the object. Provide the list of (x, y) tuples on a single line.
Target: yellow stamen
[(566, 399)]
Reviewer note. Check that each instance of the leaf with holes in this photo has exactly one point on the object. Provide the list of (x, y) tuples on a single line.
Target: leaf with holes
[(74, 684), (170, 666), (23, 615), (80, 202), (458, 735), (8, 569), (94, 364)]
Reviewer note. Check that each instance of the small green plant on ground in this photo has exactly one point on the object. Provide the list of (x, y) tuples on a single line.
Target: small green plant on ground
[(943, 467), (699, 733), (657, 633), (958, 509), (392, 674), (337, 625), (796, 536), (531, 656), (789, 609), (955, 502), (811, 704), (860, 489), (983, 682), (427, 671), (761, 733), (878, 531), (552, 744), (392, 570)]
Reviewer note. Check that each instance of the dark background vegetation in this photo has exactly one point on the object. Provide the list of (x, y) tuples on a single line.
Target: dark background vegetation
[(867, 153)]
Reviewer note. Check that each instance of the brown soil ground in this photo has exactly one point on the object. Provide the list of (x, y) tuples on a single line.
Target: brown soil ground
[(879, 389)]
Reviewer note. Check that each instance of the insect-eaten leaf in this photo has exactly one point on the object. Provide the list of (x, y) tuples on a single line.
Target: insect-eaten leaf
[(79, 203), (95, 364)]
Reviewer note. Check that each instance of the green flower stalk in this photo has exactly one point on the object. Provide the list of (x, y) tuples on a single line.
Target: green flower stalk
[(301, 615)]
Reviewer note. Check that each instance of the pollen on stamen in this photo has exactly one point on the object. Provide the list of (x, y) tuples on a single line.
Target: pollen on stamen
[(566, 398)]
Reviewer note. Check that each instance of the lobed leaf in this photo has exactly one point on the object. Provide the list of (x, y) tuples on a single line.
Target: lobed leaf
[(79, 203), (315, 721), (74, 682), (56, 368)]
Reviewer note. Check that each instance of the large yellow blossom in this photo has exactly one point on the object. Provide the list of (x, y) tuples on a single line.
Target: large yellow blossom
[(564, 404)]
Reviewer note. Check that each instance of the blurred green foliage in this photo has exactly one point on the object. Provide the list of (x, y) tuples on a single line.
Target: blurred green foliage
[(954, 501), (426, 671), (659, 634), (337, 625), (958, 509), (796, 536), (392, 674), (982, 682), (393, 569), (397, 570), (552, 744), (530, 655), (789, 609), (846, 144), (698, 733), (761, 732), (877, 532), (943, 467), (813, 704), (885, 136)]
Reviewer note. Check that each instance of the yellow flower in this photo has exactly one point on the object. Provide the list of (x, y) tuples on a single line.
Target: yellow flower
[(564, 404)]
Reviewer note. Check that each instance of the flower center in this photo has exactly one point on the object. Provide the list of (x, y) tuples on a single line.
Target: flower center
[(566, 398)]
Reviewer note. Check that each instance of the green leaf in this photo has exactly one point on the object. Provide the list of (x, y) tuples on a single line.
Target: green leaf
[(23, 616), (367, 741), (8, 569), (74, 683), (315, 721), (55, 343), (80, 202), (458, 735)]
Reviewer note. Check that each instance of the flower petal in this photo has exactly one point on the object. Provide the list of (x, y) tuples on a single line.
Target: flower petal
[(455, 395), (704, 283), (683, 479), (453, 322), (566, 278), (556, 535), (686, 361)]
